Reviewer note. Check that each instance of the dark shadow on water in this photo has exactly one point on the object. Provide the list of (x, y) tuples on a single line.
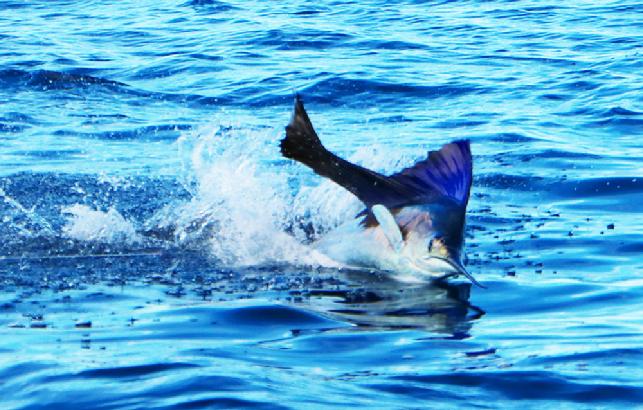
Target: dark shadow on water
[(384, 304)]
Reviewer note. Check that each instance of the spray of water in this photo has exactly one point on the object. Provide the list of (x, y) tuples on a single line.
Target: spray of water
[(33, 216), (91, 225), (247, 205)]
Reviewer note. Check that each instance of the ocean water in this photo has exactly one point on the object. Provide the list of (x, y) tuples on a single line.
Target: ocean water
[(155, 248)]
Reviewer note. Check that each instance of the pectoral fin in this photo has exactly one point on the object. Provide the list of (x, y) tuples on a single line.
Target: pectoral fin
[(389, 226)]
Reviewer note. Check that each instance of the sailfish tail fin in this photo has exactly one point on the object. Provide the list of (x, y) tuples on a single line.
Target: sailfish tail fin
[(302, 143)]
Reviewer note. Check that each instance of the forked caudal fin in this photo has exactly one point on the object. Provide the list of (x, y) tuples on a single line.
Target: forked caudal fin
[(302, 143)]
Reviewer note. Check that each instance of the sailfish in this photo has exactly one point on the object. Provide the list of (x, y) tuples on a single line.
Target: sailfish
[(416, 215)]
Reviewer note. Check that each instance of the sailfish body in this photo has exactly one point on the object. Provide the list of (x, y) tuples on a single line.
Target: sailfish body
[(415, 216)]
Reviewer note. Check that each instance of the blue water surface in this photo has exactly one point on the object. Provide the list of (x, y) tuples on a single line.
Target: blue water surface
[(156, 251)]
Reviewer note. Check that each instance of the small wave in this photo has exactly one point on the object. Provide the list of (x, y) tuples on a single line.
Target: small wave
[(624, 123), (534, 385), (459, 123), (605, 354), (46, 80), (301, 40), (510, 137), (333, 90), (544, 60), (582, 85), (12, 128), (635, 247), (620, 111), (52, 80), (633, 7), (389, 45), (50, 154), (265, 316), (228, 403), (596, 187), (310, 12), (515, 182), (549, 154), (340, 90), (15, 4), (149, 133), (556, 97), (17, 117), (23, 369), (133, 371), (211, 6), (208, 57)]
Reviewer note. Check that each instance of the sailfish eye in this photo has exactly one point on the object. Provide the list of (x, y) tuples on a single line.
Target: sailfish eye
[(433, 243)]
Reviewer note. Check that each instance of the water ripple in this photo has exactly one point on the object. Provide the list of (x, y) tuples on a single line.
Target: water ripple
[(156, 248), (534, 385)]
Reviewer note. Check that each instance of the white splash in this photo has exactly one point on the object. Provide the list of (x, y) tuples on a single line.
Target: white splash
[(86, 224), (242, 205), (248, 206), (327, 205)]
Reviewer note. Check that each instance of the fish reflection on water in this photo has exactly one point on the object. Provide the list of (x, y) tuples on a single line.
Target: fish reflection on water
[(382, 303)]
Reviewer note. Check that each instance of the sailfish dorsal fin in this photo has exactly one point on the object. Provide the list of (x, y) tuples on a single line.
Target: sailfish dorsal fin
[(447, 172)]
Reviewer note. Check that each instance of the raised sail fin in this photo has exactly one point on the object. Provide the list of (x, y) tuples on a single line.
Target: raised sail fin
[(444, 173)]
